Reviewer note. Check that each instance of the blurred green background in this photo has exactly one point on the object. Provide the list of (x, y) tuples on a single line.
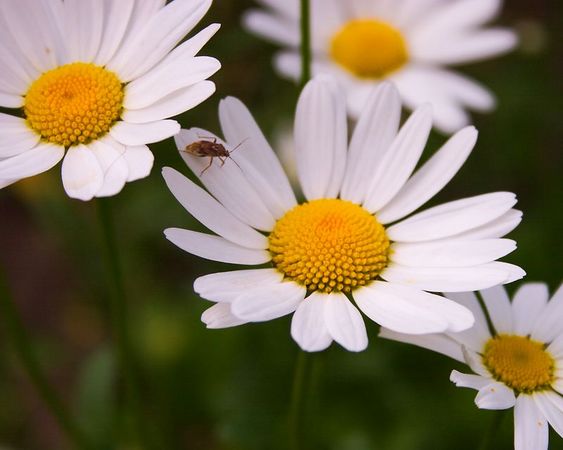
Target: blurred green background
[(230, 389)]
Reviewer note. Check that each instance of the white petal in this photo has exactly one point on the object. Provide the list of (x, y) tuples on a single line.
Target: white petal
[(452, 218), (439, 343), (549, 324), (139, 160), (117, 15), (264, 303), (555, 348), (215, 248), (531, 431), (15, 136), (475, 362), (400, 160), (220, 316), (527, 304), (431, 177), (372, 137), (320, 125), (446, 279), (308, 327), (495, 396), (477, 382), (344, 323), (84, 28), (450, 253), (114, 167), (226, 182), (32, 162), (272, 27), (226, 286), (500, 311), (211, 213), (11, 100), (411, 311), (475, 337), (255, 156), (495, 229), (145, 133), (193, 45), (172, 105), (81, 173), (551, 406)]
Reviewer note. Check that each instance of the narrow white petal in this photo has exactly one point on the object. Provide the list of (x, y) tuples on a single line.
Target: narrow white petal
[(431, 177), (84, 28), (220, 316), (495, 396), (474, 361), (11, 100), (272, 27), (139, 160), (549, 324), (527, 304), (116, 19), (555, 348), (31, 162), (531, 431), (145, 133), (495, 229), (81, 173), (308, 327), (114, 167), (400, 160), (15, 136), (477, 382), (264, 303), (451, 253), (439, 343), (211, 213), (226, 286), (193, 45), (551, 406), (372, 137), (344, 323), (500, 311), (452, 218), (215, 248), (475, 337), (255, 156)]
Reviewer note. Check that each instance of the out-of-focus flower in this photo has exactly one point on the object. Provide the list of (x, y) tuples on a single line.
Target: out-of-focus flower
[(519, 362), (347, 240), (96, 80), (363, 42)]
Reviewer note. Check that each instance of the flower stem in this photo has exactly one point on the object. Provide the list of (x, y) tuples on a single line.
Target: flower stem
[(488, 440), (301, 374), (28, 359), (305, 42), (120, 325)]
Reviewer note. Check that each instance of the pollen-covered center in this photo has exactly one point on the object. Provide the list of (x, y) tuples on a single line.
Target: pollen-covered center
[(74, 104), (329, 245), (369, 48), (521, 363)]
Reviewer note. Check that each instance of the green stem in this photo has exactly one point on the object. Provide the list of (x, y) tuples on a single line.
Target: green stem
[(301, 374), (488, 440), (28, 359), (120, 325), (305, 42)]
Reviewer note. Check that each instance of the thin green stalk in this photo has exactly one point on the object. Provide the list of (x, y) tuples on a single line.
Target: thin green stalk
[(305, 42), (23, 347), (488, 442), (120, 324), (300, 377)]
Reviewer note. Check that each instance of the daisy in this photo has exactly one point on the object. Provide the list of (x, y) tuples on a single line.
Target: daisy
[(363, 42), (518, 361), (347, 240), (93, 83)]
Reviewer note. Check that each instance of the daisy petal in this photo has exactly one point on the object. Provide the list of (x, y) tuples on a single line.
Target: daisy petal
[(495, 229), (271, 27), (373, 134), (551, 406), (477, 382), (193, 45), (146, 133), (556, 347), (215, 248), (549, 325), (436, 342), (117, 15), (113, 165), (308, 326), (500, 311), (495, 396), (531, 431), (344, 323), (475, 337), (226, 286), (31, 162), (268, 302), (400, 160), (220, 316), (139, 160), (15, 136), (474, 361), (84, 28), (81, 173), (452, 218), (527, 304), (211, 213), (11, 100), (431, 177)]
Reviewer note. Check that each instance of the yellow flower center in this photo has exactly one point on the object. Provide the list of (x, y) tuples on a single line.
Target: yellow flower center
[(521, 363), (369, 48), (329, 245), (74, 104)]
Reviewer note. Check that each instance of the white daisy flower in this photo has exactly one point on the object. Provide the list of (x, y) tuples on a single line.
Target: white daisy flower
[(345, 241), (518, 359), (409, 42), (94, 82)]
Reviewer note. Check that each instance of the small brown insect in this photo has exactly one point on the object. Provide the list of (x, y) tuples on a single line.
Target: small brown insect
[(212, 149)]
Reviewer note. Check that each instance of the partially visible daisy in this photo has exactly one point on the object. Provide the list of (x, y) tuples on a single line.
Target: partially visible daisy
[(409, 42), (518, 362), (347, 241), (94, 82)]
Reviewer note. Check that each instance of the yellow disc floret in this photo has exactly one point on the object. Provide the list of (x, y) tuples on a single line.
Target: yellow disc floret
[(329, 245), (369, 48), (74, 104), (519, 362)]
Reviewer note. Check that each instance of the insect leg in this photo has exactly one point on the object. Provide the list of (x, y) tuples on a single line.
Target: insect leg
[(208, 165)]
